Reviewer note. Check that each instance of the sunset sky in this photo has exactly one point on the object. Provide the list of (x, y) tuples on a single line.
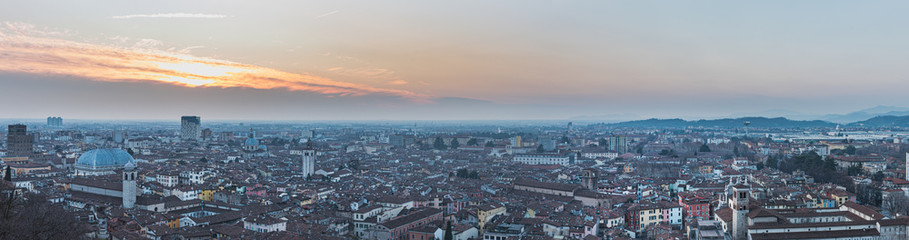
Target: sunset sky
[(415, 60)]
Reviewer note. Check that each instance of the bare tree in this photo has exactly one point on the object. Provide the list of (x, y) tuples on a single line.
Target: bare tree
[(30, 216), (897, 204)]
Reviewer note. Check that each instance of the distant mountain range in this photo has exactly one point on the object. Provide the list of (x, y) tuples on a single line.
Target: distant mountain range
[(757, 122), (883, 121), (865, 114), (876, 117)]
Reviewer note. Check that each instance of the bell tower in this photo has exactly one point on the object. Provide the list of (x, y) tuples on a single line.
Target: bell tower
[(129, 185), (738, 202), (308, 164), (590, 177)]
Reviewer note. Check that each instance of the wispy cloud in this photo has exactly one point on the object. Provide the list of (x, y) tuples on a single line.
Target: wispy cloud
[(358, 68), (326, 14), (48, 55), (170, 15)]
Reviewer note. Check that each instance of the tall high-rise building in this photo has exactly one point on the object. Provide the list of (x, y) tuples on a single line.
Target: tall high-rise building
[(54, 121), (18, 142), (191, 127), (308, 167), (516, 141), (618, 143), (308, 134)]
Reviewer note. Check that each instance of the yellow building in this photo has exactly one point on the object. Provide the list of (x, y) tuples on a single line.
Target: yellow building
[(650, 216), (174, 223), (486, 212), (14, 159), (205, 194), (628, 169), (25, 168), (841, 197)]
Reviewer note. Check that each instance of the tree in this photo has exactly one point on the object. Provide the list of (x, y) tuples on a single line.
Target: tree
[(822, 171), (896, 203), (205, 160), (771, 162), (878, 176), (760, 166), (829, 164), (540, 148), (474, 175), (31, 216), (490, 144), (472, 142), (181, 162), (869, 194), (439, 144), (704, 148), (448, 234), (454, 143), (354, 164), (850, 150), (855, 170), (602, 142), (130, 151), (735, 151), (462, 173)]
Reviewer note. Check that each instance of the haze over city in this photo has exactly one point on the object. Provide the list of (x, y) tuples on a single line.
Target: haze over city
[(454, 120), (397, 60)]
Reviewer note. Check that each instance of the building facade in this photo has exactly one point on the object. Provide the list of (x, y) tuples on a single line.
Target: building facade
[(18, 142), (191, 127)]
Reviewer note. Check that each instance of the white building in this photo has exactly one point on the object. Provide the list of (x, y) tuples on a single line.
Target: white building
[(168, 180), (265, 224), (546, 158)]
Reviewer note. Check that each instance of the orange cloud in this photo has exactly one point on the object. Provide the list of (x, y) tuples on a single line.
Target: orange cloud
[(44, 54)]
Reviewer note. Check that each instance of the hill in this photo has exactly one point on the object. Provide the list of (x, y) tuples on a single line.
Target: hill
[(756, 122), (883, 122)]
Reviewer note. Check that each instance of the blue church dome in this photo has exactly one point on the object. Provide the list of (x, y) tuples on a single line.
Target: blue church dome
[(252, 142), (106, 159)]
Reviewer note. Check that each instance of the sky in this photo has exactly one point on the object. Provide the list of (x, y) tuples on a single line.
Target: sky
[(448, 60)]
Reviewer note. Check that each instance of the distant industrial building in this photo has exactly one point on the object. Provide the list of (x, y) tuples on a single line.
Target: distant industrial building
[(54, 121), (618, 143), (401, 140)]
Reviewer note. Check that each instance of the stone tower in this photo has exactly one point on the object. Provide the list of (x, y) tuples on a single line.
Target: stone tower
[(308, 166), (738, 202), (129, 185), (589, 178)]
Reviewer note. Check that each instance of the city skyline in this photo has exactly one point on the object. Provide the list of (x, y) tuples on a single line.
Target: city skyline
[(461, 61)]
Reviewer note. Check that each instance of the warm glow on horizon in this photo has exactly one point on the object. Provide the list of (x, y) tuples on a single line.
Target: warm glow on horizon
[(41, 54)]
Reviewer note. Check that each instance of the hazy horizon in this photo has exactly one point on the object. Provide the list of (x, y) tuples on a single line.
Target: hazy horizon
[(465, 60)]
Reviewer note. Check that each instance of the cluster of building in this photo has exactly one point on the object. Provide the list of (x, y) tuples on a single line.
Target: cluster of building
[(407, 181)]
